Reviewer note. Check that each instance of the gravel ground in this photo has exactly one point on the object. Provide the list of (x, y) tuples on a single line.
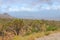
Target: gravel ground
[(55, 36)]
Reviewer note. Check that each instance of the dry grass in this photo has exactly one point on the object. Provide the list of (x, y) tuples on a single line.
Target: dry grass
[(29, 37), (34, 35)]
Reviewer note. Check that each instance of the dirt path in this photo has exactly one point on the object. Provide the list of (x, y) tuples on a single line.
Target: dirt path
[(55, 36)]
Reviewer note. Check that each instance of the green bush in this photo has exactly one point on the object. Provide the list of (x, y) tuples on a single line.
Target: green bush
[(34, 30), (51, 28)]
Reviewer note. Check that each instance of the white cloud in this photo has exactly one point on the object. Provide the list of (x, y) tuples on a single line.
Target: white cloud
[(51, 8), (22, 9), (46, 8), (56, 7), (35, 8), (13, 9), (25, 9), (30, 7)]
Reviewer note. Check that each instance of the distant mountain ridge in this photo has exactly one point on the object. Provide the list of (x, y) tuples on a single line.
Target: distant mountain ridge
[(5, 15), (45, 15)]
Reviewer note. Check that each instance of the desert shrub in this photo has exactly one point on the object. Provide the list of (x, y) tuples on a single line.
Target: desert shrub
[(47, 33), (34, 30), (28, 33), (51, 28)]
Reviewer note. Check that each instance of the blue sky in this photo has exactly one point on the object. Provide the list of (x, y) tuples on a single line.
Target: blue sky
[(29, 5), (31, 8)]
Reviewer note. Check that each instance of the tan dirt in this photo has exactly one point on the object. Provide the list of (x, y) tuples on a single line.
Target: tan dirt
[(54, 36)]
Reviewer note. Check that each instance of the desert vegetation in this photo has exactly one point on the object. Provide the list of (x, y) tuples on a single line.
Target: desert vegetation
[(26, 29)]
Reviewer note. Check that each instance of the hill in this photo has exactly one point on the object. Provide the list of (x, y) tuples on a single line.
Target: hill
[(6, 16)]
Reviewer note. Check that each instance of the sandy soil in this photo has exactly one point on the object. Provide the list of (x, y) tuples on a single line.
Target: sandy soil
[(54, 36)]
